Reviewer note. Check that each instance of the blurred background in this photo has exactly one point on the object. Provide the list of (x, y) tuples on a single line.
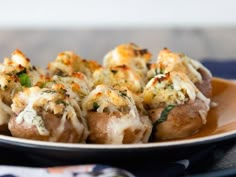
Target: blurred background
[(43, 28)]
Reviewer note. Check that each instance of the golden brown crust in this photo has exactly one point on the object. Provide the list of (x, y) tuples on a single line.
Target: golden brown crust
[(182, 121), (58, 104)]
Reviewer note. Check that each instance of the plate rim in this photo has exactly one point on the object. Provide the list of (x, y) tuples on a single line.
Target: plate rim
[(73, 146)]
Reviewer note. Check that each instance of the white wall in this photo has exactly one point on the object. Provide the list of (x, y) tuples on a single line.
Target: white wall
[(116, 13)]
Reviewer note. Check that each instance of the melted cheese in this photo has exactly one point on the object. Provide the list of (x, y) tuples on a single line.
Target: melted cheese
[(125, 67), (118, 125), (166, 89), (206, 101), (197, 65), (79, 125), (5, 113), (30, 117), (47, 99), (4, 81), (113, 101), (131, 121), (68, 62), (169, 61), (76, 87), (80, 128), (181, 82), (105, 97), (9, 85), (173, 88), (60, 128)]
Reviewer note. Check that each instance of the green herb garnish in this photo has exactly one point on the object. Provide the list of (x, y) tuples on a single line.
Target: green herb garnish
[(24, 79), (159, 71), (164, 114), (49, 91), (95, 106), (62, 102), (123, 94), (156, 72), (163, 117), (42, 84), (114, 71), (170, 86)]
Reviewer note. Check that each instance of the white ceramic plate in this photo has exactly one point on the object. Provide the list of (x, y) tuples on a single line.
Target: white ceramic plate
[(221, 126)]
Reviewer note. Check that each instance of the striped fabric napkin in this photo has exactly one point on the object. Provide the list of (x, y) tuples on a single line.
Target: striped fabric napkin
[(64, 171)]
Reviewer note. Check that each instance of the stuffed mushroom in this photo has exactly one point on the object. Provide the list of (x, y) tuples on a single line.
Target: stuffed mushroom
[(131, 55), (113, 118), (168, 61), (16, 73), (175, 105), (48, 115), (66, 63), (118, 77)]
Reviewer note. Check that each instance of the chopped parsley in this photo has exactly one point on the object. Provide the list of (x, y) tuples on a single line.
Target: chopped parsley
[(114, 71), (156, 72), (160, 71), (49, 91), (170, 86), (60, 73), (95, 106), (24, 79), (123, 94), (62, 102), (42, 84)]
